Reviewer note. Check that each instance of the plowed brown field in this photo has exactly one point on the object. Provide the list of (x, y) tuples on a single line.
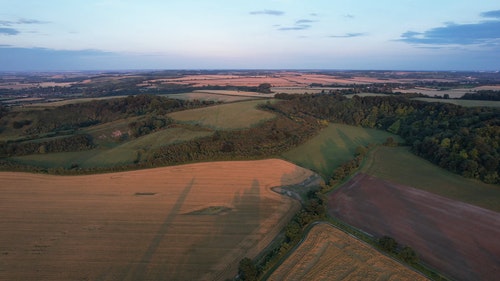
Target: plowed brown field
[(330, 254), (460, 240), (189, 222)]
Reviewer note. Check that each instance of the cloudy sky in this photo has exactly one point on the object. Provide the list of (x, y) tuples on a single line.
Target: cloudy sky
[(254, 34)]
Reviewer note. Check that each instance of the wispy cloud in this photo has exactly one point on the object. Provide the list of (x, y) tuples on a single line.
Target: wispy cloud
[(348, 35), (268, 12), (6, 26), (295, 27), (300, 24), (31, 21), (21, 21), (491, 14), (484, 32), (304, 21), (8, 31)]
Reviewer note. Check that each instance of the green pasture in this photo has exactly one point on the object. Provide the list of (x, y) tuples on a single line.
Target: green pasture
[(399, 165), (238, 115), (334, 146), (113, 154)]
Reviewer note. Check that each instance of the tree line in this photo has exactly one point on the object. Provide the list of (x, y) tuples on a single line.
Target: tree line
[(482, 95)]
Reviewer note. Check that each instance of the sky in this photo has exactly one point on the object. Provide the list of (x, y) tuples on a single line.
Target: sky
[(65, 35)]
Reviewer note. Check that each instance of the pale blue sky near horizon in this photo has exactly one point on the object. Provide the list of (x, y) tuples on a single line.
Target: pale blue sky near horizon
[(258, 34)]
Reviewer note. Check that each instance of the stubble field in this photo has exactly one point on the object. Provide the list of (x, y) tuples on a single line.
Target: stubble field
[(189, 222), (327, 253)]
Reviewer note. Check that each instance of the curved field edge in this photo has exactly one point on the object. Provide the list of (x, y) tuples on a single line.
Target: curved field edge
[(399, 165), (143, 224), (329, 253)]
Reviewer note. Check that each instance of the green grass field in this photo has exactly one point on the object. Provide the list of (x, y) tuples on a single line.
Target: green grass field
[(334, 146), (113, 154), (229, 116), (399, 165)]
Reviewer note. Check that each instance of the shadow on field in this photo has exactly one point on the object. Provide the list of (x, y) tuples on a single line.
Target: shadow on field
[(215, 255), (139, 271), (228, 241)]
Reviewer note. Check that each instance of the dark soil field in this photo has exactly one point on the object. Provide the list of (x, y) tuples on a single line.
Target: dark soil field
[(458, 239)]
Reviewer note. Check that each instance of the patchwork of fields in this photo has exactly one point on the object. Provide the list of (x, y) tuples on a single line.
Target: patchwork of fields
[(189, 222), (327, 253), (195, 222)]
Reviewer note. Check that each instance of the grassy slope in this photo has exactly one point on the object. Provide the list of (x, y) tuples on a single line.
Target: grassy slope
[(334, 146), (112, 155), (225, 116), (400, 165)]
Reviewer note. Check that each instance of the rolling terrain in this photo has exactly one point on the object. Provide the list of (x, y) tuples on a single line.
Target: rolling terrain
[(197, 221), (333, 146), (190, 222)]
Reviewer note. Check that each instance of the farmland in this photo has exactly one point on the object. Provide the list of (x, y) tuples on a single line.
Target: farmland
[(458, 239), (190, 222), (327, 253), (386, 163), (226, 116), (333, 146), (198, 220)]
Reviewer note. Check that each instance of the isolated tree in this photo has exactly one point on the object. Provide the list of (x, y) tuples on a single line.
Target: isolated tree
[(408, 255), (247, 270), (388, 244), (264, 88)]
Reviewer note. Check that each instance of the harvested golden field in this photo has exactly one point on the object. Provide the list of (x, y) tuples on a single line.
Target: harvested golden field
[(189, 222), (327, 253)]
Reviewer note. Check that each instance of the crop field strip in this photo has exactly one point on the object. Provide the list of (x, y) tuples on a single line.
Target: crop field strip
[(189, 222), (327, 253)]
